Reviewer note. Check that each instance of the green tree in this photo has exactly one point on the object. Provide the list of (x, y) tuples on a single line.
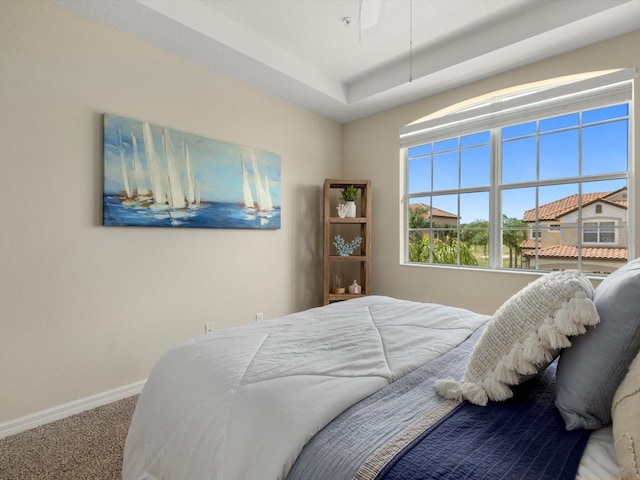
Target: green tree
[(443, 248), (419, 249), (513, 234), (419, 217), (442, 251), (477, 233)]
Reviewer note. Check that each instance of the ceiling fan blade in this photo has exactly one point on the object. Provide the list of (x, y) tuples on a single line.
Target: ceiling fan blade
[(369, 13)]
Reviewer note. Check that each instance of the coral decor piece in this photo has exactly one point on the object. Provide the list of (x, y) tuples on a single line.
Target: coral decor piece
[(345, 249)]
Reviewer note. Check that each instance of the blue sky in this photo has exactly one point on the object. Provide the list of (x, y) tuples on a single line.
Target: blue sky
[(604, 150)]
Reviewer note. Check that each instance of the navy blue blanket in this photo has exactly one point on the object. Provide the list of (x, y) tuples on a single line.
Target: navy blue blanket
[(520, 439)]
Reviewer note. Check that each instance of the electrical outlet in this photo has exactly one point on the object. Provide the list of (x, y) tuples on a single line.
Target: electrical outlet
[(208, 328), (259, 316)]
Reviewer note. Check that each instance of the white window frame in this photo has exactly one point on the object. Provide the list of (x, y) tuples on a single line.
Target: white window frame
[(598, 229), (601, 90)]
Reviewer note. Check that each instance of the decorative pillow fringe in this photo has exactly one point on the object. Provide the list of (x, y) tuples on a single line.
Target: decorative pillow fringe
[(566, 321), (535, 352), (478, 394), (474, 393), (516, 360), (496, 391), (504, 374), (449, 388), (584, 310), (552, 338)]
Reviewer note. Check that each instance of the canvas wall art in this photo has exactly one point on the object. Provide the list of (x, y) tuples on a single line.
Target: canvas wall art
[(160, 177)]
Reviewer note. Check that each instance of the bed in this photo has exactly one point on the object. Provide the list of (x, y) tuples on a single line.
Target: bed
[(378, 388)]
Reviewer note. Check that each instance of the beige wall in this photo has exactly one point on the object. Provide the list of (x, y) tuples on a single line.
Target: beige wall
[(371, 150), (85, 309)]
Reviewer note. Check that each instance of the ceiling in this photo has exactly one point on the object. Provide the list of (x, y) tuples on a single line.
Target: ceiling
[(387, 53)]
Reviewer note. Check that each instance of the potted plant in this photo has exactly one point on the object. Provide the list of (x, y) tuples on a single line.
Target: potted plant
[(349, 195)]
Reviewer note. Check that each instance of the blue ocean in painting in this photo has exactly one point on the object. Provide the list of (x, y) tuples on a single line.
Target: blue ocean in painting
[(206, 215)]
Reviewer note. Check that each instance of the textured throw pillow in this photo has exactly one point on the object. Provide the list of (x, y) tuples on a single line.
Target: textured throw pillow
[(591, 370), (626, 423), (524, 336)]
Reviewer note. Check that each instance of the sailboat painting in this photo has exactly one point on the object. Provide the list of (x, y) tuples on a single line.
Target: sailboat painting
[(160, 177)]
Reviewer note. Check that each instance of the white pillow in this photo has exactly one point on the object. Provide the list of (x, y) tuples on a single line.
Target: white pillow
[(524, 336), (626, 423)]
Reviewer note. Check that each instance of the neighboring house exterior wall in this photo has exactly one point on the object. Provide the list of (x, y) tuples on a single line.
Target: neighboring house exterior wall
[(604, 236)]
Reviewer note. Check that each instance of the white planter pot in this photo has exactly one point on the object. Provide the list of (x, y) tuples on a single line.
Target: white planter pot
[(351, 209)]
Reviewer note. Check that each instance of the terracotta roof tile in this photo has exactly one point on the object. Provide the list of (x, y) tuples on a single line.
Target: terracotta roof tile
[(436, 211), (571, 251), (553, 210), (531, 243)]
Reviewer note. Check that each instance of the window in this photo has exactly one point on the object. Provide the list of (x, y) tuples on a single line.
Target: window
[(515, 183), (599, 232)]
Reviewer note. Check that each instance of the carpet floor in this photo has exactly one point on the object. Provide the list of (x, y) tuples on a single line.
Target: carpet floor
[(86, 446)]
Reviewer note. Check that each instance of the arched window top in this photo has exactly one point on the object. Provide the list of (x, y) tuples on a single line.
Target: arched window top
[(521, 103)]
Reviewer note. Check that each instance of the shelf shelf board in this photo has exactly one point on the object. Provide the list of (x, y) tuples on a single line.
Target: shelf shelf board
[(337, 297), (347, 220), (342, 183), (350, 258)]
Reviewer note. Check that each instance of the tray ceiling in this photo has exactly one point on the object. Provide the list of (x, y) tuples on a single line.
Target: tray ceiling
[(347, 59)]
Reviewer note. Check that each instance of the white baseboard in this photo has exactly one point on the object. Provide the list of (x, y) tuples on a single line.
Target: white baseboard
[(66, 410)]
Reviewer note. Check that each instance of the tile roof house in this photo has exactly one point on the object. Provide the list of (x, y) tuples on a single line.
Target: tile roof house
[(439, 217), (553, 241)]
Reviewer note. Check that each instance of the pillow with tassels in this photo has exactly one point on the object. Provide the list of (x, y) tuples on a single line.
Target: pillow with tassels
[(524, 336)]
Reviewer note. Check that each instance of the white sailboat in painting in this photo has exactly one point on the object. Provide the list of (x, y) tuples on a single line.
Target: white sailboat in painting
[(176, 194), (155, 175), (269, 205), (264, 202), (193, 193), (246, 193), (141, 190), (167, 172), (177, 198), (262, 199), (128, 198)]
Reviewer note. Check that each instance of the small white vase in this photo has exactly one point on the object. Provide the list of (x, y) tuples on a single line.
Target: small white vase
[(355, 288), (351, 209)]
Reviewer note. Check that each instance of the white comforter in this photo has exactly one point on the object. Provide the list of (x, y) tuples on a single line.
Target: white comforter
[(241, 403)]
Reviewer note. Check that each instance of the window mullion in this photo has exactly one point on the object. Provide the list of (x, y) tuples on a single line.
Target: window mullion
[(495, 202)]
